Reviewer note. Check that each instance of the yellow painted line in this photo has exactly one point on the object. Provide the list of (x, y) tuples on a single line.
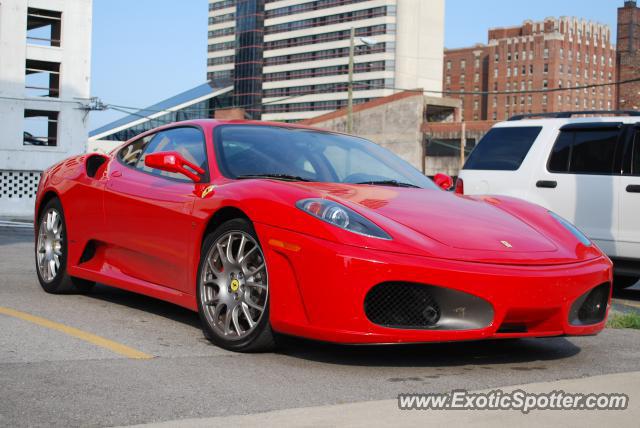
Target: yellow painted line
[(116, 347)]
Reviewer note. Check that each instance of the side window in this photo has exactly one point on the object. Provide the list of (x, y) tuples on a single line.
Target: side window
[(594, 152), (503, 149), (590, 151), (189, 142), (131, 153), (559, 160), (635, 157)]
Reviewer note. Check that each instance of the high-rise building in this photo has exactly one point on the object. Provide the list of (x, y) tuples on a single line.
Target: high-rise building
[(45, 56), (628, 59), (288, 59), (526, 68)]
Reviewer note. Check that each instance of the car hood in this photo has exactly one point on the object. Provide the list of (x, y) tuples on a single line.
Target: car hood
[(464, 228)]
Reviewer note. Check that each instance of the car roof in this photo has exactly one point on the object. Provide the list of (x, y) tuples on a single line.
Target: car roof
[(564, 121)]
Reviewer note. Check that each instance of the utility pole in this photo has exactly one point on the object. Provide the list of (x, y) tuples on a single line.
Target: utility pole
[(463, 142), (350, 84)]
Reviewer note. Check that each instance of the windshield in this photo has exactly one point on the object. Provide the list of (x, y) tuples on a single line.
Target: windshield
[(246, 151)]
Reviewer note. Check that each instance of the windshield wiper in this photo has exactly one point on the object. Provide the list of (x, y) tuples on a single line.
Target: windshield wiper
[(285, 177), (389, 183)]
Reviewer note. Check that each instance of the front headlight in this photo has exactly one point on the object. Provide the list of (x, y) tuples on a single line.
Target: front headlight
[(571, 228), (342, 217)]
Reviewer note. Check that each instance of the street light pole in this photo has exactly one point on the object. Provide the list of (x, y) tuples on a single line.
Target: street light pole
[(350, 84)]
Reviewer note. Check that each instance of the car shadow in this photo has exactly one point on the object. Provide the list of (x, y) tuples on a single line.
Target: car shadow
[(451, 354), (146, 304), (632, 293)]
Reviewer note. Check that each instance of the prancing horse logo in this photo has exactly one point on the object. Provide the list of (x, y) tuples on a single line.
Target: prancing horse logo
[(506, 244)]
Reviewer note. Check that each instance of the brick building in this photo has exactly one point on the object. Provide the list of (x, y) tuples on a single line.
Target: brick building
[(628, 57), (517, 61)]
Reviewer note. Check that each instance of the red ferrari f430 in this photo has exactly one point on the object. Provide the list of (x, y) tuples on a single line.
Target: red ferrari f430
[(271, 228)]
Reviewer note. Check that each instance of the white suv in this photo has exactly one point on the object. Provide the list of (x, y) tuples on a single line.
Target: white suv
[(585, 169)]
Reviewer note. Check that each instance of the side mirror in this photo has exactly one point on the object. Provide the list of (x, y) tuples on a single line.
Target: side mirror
[(443, 181), (173, 162)]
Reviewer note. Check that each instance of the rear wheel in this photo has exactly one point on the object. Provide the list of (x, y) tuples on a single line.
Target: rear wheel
[(622, 282), (51, 253), (233, 289)]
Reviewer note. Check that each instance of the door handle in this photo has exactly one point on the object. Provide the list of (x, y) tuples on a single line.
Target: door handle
[(116, 174), (633, 188), (547, 184)]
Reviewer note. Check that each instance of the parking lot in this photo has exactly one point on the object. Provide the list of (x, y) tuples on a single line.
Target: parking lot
[(115, 358)]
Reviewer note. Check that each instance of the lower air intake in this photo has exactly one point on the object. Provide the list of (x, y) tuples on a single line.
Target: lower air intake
[(591, 307), (409, 306), (401, 306)]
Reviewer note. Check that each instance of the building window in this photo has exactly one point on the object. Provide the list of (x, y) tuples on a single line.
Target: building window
[(545, 99), (546, 68), (40, 128), (477, 63), (495, 73), (463, 64), (546, 53), (448, 65), (508, 56), (476, 105), (529, 100), (42, 79), (531, 69), (448, 79), (43, 27), (561, 53), (476, 77), (496, 58), (545, 84)]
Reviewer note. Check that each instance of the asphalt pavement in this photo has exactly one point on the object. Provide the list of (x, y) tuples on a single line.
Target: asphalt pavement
[(115, 358)]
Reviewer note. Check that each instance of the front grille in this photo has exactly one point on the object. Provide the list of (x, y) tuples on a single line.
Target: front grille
[(402, 305)]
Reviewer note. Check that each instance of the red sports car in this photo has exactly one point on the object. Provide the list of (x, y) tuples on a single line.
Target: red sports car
[(273, 228)]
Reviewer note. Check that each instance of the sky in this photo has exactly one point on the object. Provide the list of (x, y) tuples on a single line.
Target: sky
[(145, 51)]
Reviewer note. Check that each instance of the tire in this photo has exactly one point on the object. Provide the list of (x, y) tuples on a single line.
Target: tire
[(232, 291), (621, 282), (58, 281)]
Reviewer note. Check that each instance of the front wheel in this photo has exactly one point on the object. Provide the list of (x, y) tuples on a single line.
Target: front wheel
[(51, 253), (233, 289)]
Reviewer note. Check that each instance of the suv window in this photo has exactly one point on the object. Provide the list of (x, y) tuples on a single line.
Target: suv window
[(635, 156), (187, 141), (585, 151), (503, 149)]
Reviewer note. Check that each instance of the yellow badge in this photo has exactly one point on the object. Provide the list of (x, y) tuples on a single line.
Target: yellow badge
[(207, 190), (235, 284)]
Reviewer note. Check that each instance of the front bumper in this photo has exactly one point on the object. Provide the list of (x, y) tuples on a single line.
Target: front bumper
[(318, 290)]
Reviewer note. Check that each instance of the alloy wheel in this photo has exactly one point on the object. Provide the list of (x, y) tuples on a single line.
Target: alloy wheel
[(234, 285), (49, 246)]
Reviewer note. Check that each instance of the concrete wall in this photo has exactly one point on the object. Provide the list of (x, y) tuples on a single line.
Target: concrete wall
[(393, 124), (19, 164)]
